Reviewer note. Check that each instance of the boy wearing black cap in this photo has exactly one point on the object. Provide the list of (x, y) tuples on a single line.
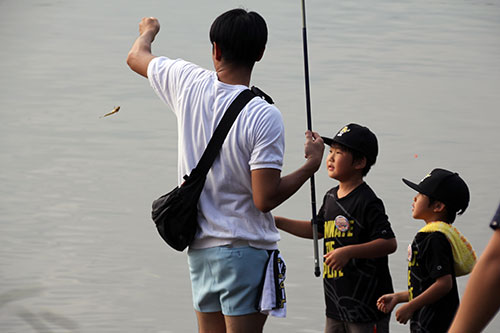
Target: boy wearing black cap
[(436, 256), (357, 236)]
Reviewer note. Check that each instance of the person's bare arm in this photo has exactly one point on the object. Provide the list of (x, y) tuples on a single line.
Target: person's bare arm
[(481, 299), (436, 291), (270, 189), (140, 54), (300, 228), (380, 247)]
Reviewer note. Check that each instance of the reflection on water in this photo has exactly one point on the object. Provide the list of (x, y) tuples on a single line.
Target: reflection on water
[(18, 294), (40, 321), (79, 252)]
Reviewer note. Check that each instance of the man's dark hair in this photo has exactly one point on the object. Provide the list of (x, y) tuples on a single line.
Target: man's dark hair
[(240, 35), (356, 156)]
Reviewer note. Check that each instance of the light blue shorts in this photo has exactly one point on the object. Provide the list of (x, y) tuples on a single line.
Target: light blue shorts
[(227, 279)]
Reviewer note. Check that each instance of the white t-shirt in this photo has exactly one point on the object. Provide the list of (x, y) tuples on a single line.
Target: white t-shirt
[(227, 213)]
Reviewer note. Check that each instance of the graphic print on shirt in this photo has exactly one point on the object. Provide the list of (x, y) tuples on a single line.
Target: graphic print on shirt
[(340, 227), (351, 293), (412, 256)]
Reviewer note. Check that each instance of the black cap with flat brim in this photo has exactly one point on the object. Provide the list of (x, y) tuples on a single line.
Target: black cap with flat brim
[(358, 138), (413, 186), (444, 186)]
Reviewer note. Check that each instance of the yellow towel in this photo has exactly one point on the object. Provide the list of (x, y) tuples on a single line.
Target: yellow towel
[(463, 253)]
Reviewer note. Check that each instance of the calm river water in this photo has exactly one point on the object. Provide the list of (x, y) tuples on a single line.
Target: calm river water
[(79, 252)]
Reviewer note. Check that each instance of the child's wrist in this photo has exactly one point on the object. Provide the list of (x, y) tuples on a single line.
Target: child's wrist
[(412, 305), (402, 297), (348, 251)]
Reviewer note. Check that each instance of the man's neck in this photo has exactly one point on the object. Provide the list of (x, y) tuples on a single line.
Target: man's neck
[(231, 74)]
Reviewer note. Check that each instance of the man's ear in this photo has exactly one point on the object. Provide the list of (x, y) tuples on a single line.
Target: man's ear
[(360, 164), (216, 52)]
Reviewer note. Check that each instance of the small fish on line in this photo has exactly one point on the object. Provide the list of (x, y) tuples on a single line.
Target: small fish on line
[(115, 110)]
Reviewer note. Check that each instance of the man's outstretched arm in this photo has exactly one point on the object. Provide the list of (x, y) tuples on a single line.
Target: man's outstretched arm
[(140, 54)]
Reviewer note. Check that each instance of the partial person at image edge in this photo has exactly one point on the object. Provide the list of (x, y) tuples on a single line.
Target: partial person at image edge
[(481, 299)]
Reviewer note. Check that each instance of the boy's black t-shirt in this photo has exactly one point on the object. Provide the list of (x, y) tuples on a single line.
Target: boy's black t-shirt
[(352, 292), (429, 258)]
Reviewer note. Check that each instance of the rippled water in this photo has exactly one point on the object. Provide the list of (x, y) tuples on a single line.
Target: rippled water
[(79, 252)]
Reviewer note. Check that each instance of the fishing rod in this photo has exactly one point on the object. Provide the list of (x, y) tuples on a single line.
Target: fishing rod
[(309, 127)]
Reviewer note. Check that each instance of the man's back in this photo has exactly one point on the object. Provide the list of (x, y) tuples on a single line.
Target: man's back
[(256, 140)]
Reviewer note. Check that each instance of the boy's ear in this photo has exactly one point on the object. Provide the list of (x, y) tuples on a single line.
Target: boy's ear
[(439, 207), (360, 164)]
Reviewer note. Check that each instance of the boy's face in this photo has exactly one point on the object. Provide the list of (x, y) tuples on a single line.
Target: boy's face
[(339, 163), (420, 207)]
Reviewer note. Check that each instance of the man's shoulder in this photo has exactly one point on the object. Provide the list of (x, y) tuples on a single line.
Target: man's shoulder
[(164, 60), (260, 113), (259, 104), (165, 65)]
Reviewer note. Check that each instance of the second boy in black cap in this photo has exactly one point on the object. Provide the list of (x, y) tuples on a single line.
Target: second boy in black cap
[(357, 236), (436, 256)]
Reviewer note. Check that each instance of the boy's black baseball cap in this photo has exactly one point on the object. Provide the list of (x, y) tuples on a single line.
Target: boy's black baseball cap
[(444, 186), (358, 138)]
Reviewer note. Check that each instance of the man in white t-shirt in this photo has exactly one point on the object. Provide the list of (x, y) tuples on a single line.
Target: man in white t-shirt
[(227, 259)]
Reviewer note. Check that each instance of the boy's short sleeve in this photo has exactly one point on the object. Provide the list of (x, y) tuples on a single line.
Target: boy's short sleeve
[(379, 224), (438, 259)]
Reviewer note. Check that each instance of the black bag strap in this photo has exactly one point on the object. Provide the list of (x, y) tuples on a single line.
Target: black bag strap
[(220, 133)]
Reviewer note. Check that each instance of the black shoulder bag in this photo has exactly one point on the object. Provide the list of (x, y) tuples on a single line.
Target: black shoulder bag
[(175, 213)]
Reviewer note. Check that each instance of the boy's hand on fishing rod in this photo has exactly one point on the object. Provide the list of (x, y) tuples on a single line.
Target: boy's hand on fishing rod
[(313, 149), (338, 258), (149, 25)]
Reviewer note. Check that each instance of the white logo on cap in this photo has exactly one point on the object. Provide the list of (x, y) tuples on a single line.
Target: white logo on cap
[(343, 131), (427, 176)]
